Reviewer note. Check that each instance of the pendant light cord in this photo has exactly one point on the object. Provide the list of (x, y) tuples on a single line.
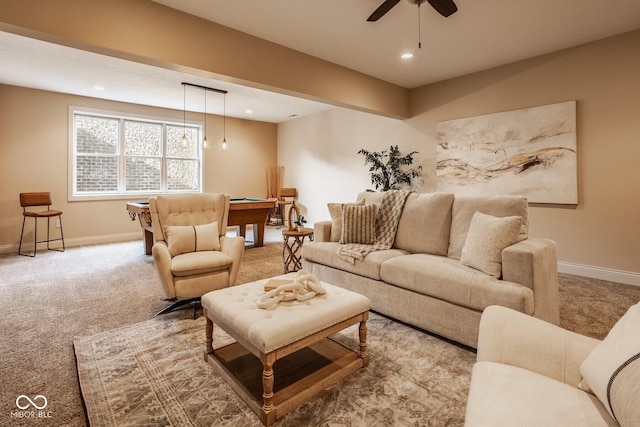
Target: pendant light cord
[(184, 109), (419, 35)]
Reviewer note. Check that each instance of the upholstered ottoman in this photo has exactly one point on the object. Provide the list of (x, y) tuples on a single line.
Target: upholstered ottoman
[(295, 333)]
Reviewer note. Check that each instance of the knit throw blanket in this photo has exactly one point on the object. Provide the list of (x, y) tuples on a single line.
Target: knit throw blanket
[(387, 219)]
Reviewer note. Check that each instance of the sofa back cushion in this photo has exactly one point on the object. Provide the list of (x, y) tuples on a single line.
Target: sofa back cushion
[(425, 222), (500, 206)]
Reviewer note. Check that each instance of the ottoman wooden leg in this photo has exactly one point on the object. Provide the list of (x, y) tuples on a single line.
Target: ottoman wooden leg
[(267, 389), (363, 340), (208, 332)]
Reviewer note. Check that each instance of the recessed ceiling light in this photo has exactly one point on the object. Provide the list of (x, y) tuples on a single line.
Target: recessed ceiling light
[(406, 56), (248, 111), (99, 88)]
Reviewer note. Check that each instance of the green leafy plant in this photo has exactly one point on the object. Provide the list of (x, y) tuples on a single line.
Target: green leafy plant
[(386, 169)]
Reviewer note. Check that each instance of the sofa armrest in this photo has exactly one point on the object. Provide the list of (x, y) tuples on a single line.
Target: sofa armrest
[(534, 264), (509, 337), (234, 247), (322, 231)]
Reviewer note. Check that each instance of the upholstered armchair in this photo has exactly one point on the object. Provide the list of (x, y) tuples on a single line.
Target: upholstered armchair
[(192, 254)]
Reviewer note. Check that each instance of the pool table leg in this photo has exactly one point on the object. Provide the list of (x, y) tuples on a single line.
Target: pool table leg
[(258, 233)]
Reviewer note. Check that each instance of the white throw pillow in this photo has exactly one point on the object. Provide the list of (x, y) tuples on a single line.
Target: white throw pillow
[(612, 369), (183, 239), (488, 236)]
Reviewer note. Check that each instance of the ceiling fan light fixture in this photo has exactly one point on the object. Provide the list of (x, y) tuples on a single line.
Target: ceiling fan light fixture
[(443, 7)]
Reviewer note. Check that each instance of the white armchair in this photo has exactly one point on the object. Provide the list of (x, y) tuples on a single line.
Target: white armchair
[(192, 254), (528, 373)]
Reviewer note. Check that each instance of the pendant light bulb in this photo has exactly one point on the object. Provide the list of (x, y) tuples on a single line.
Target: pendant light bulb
[(224, 144), (205, 143), (185, 140)]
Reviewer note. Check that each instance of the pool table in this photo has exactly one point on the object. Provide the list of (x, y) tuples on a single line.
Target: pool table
[(242, 211)]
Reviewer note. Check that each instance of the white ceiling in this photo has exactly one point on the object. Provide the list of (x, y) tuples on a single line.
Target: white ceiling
[(481, 35)]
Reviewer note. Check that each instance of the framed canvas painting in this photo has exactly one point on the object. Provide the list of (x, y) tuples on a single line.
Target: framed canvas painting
[(530, 152)]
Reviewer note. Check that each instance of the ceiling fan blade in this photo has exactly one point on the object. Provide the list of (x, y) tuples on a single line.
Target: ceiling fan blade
[(444, 7), (382, 10)]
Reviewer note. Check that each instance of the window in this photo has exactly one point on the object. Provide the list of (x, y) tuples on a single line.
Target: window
[(123, 156)]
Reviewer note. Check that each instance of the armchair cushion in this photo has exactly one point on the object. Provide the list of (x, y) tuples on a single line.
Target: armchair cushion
[(183, 239), (193, 263), (503, 395), (612, 369)]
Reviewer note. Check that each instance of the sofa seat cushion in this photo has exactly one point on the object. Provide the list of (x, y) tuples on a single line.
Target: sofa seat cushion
[(447, 279), (504, 395), (326, 253), (199, 262)]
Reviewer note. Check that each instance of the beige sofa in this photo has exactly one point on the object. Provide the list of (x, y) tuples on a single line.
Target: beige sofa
[(532, 373), (421, 281)]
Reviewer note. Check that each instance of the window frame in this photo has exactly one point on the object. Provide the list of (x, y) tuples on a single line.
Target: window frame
[(122, 117)]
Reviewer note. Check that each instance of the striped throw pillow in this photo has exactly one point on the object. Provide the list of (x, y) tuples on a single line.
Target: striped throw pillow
[(359, 224)]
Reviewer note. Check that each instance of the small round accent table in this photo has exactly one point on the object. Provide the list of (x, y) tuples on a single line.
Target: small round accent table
[(293, 240)]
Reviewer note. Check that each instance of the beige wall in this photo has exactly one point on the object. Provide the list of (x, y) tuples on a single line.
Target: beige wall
[(33, 157), (599, 237)]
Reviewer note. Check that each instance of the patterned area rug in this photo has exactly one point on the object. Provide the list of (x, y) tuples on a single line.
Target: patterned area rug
[(154, 373)]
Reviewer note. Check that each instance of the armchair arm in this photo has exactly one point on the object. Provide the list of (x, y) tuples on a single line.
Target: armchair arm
[(509, 337), (234, 247), (534, 264), (162, 258), (322, 231)]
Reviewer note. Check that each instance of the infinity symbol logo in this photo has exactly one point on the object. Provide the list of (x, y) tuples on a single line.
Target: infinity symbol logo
[(30, 402)]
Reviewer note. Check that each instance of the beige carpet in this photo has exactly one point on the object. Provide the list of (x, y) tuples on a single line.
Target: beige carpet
[(48, 300)]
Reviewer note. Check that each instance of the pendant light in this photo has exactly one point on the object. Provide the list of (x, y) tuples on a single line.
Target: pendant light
[(224, 122), (205, 141), (185, 140)]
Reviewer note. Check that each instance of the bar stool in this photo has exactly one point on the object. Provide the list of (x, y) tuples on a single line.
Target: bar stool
[(34, 200)]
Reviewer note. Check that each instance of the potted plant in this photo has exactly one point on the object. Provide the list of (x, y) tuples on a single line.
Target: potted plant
[(386, 169), (300, 222)]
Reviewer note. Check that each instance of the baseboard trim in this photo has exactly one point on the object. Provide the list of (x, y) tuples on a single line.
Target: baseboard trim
[(618, 276), (79, 241)]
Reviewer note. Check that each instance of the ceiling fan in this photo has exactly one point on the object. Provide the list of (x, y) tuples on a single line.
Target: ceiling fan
[(443, 7)]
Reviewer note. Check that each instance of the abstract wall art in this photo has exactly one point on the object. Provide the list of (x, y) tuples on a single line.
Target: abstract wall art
[(530, 152)]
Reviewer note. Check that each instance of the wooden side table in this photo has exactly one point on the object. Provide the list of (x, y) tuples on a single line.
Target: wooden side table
[(293, 240)]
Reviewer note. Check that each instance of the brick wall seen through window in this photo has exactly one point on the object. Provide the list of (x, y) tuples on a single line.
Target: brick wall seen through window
[(127, 155)]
